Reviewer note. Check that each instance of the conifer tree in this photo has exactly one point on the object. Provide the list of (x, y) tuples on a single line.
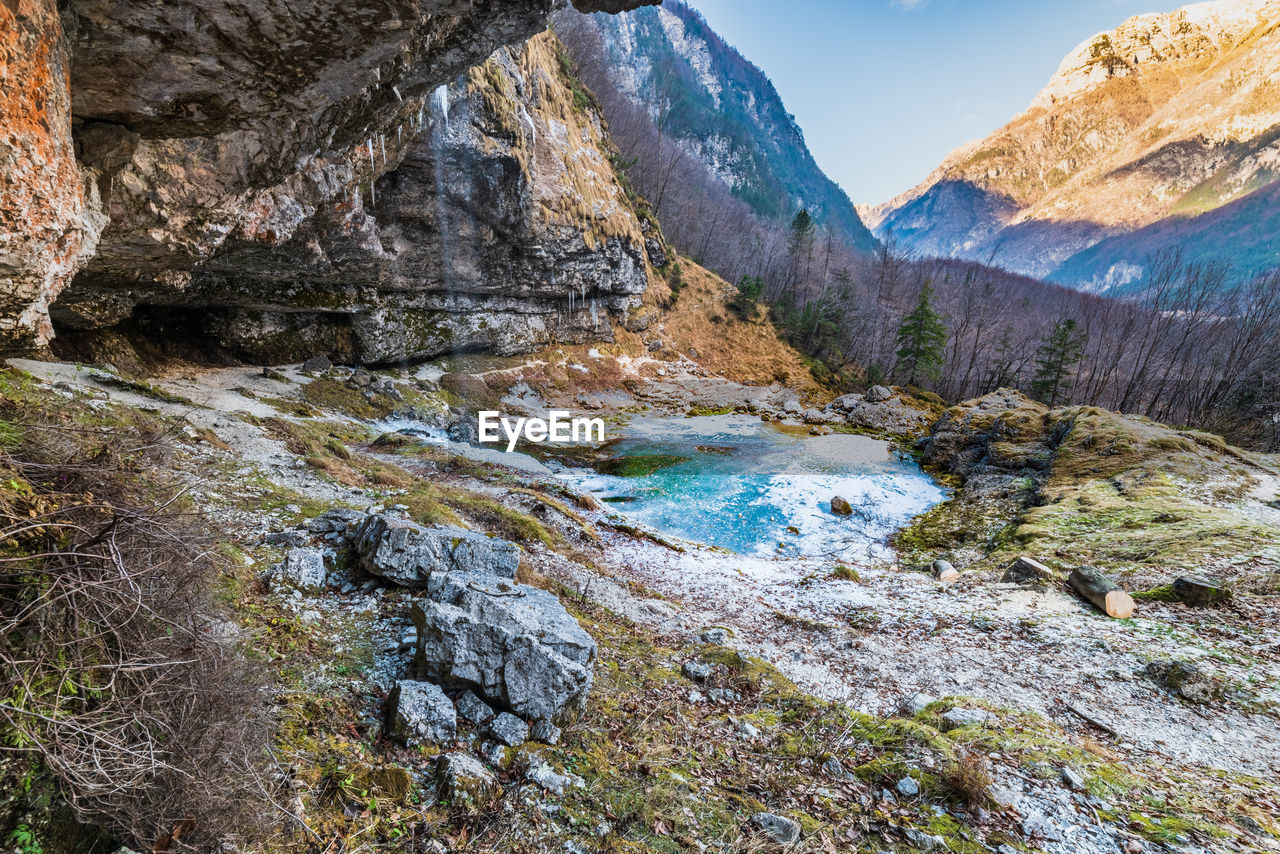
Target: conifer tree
[(922, 338), (1057, 360), (800, 243)]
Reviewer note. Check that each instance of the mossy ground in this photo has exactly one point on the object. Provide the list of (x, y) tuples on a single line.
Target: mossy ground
[(1142, 501)]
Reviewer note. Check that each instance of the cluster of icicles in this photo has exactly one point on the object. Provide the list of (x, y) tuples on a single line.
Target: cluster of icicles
[(441, 100)]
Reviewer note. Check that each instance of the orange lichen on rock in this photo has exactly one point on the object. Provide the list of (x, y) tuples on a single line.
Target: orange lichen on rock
[(44, 230)]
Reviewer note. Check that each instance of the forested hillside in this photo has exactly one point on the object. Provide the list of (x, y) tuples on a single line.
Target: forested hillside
[(712, 106), (956, 327)]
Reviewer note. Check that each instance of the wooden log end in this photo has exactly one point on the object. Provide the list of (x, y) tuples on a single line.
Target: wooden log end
[(1120, 605)]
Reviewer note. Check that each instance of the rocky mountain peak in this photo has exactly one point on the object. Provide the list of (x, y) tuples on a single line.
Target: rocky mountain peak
[(1161, 133), (1197, 33)]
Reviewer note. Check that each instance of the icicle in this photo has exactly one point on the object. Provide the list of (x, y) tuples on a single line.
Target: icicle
[(399, 128), (382, 141), (442, 101), (370, 143)]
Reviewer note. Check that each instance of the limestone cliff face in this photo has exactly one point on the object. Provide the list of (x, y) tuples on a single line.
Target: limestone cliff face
[(1167, 116), (209, 128), (47, 226), (496, 224)]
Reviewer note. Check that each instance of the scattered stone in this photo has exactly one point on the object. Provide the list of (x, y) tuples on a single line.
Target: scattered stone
[(917, 703), (1200, 592), (816, 416), (698, 671), (1027, 570), (745, 729), (834, 769), (841, 507), (779, 828), (400, 550), (273, 374), (335, 521), (316, 365), (1183, 680), (793, 407), (1072, 780), (421, 714), (922, 841), (463, 779), (509, 729), (956, 718), (302, 569), (878, 394), (495, 754), (546, 732), (294, 538), (542, 774), (717, 635), (907, 787), (474, 709)]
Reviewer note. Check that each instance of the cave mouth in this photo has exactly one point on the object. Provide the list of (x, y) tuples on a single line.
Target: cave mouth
[(154, 337)]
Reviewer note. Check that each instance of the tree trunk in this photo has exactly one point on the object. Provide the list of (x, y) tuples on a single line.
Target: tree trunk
[(1104, 593)]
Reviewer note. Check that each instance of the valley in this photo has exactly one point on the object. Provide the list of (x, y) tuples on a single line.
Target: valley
[(949, 524), (1046, 682)]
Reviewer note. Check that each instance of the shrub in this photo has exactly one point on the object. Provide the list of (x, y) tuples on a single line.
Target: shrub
[(117, 673)]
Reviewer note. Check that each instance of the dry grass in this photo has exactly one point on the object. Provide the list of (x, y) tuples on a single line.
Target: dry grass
[(966, 777), (749, 352)]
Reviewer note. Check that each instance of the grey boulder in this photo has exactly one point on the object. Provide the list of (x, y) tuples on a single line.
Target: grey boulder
[(917, 703), (698, 671), (473, 708), (422, 714), (509, 729), (524, 652), (546, 732), (302, 569), (779, 828), (956, 718), (879, 394), (406, 553), (543, 775), (337, 520), (461, 778)]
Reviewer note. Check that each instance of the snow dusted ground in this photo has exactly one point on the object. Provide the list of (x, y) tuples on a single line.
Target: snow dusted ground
[(893, 633)]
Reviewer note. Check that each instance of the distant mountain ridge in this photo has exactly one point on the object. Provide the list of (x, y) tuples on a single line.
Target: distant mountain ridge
[(726, 112), (1151, 135)]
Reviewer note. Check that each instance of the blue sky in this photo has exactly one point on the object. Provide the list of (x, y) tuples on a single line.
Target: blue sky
[(885, 88)]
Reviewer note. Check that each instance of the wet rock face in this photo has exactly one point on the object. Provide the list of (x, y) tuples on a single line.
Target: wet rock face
[(213, 133)]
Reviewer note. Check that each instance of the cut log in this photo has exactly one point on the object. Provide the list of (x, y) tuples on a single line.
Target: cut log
[(1104, 593), (1199, 592), (1025, 570), (944, 571)]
